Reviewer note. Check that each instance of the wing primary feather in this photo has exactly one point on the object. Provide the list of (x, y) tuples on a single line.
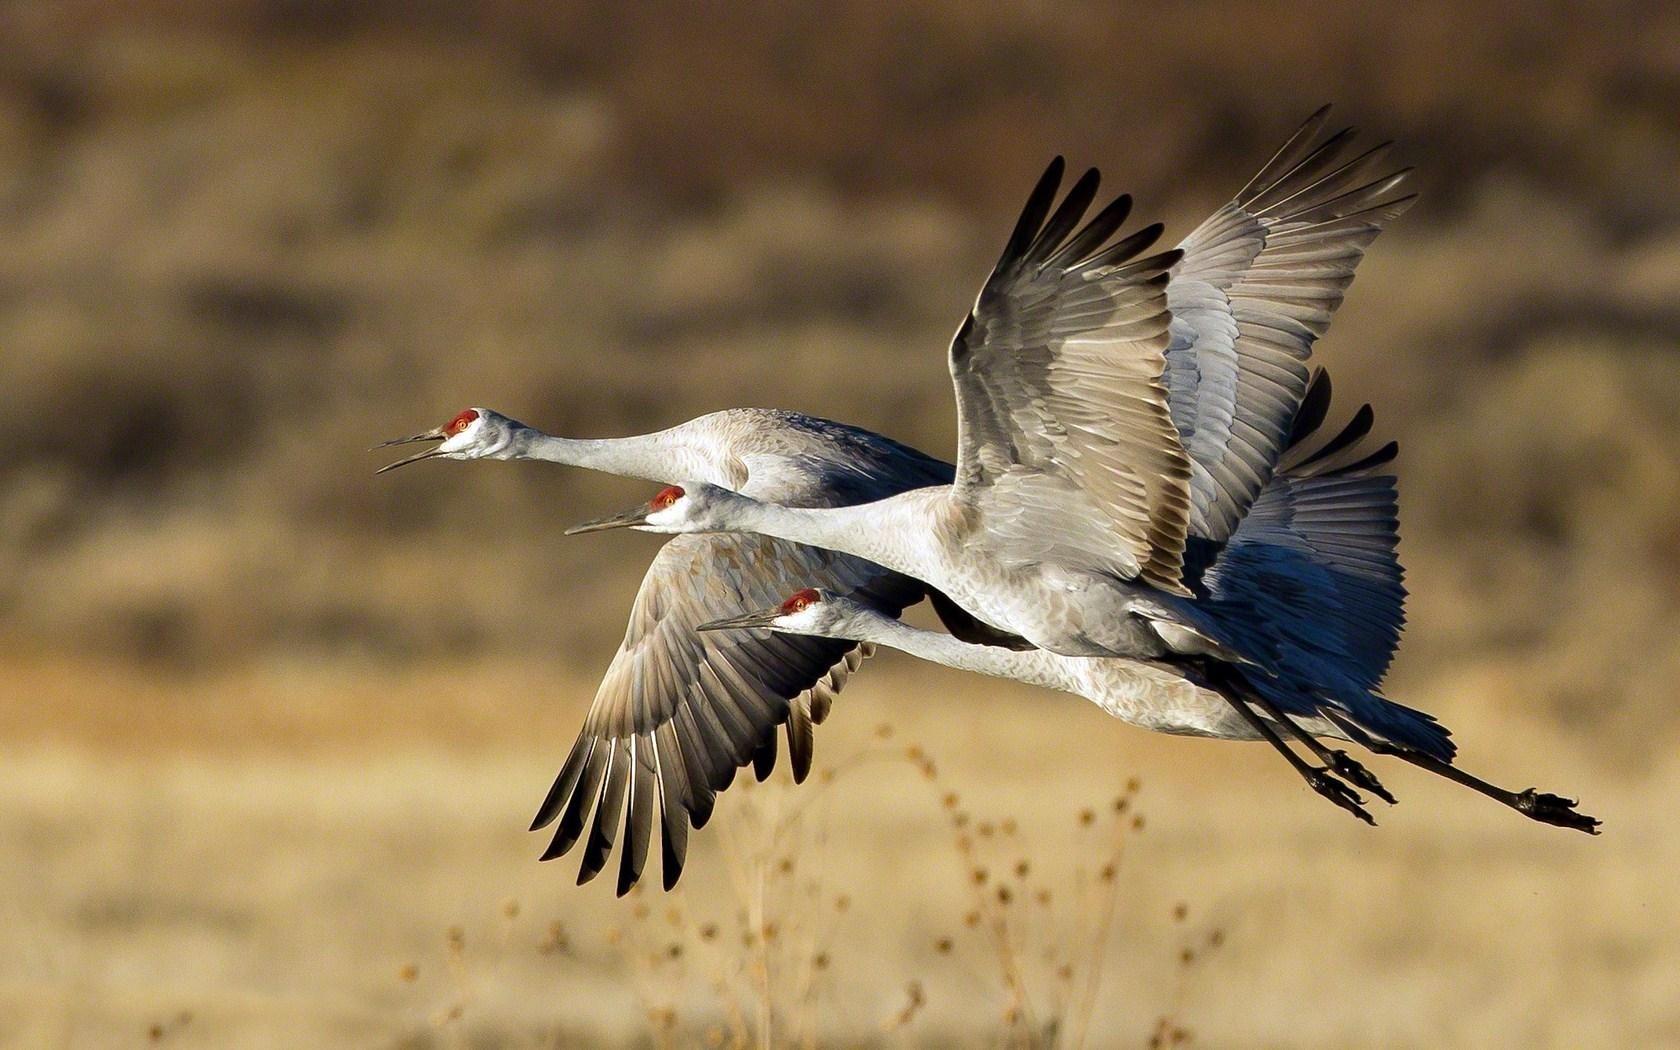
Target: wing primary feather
[(1032, 215), (583, 796), (1322, 156), (1352, 434), (563, 784), (1380, 457), (638, 823), (1101, 227), (1342, 173), (1125, 248), (1066, 218), (673, 815), (800, 736), (1288, 154), (1315, 405), (1336, 207), (609, 809), (764, 758)]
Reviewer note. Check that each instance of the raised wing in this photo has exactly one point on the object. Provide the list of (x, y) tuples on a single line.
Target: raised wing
[(1257, 285), (1058, 374), (679, 711)]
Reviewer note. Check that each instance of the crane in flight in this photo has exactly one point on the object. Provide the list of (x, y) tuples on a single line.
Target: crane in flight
[(1083, 471), (1257, 283), (1324, 517)]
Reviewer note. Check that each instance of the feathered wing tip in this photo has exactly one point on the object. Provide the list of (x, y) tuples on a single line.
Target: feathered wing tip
[(1311, 180), (1339, 455), (629, 774), (1046, 240), (1260, 282)]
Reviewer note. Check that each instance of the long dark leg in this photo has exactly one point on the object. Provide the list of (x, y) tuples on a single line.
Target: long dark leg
[(1319, 780), (1535, 805), (1337, 761)]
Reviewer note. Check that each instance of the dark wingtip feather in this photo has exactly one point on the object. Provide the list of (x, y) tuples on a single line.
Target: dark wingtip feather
[(1315, 406), (1352, 434), (608, 812), (1102, 226), (564, 783), (801, 739), (1066, 218), (638, 823), (1124, 249), (700, 811), (1381, 457), (583, 796), (764, 759), (1033, 214), (673, 846)]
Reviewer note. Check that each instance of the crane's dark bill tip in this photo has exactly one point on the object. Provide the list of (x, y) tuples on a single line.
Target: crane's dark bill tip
[(417, 457)]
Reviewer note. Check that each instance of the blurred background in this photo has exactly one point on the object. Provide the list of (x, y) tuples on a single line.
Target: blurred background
[(272, 729)]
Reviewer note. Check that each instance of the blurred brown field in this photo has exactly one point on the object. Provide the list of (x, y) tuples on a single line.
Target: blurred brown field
[(272, 728)]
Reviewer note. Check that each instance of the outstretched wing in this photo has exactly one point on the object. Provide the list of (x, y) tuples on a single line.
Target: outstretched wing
[(1058, 375), (679, 710), (1257, 285)]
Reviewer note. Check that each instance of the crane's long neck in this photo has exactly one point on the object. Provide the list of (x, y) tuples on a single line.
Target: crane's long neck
[(654, 457), (1033, 666), (897, 532)]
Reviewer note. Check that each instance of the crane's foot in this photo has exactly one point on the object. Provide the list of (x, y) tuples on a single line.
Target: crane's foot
[(1348, 768), (1322, 782), (1554, 809)]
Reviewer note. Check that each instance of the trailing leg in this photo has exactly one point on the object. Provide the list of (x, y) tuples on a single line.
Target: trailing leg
[(1535, 805), (1337, 761), (1320, 780)]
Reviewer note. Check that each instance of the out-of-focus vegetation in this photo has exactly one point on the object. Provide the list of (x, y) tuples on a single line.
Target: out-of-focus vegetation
[(244, 240)]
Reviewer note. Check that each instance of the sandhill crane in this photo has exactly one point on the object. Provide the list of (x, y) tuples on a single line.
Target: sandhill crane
[(1082, 473), (673, 687), (1326, 517)]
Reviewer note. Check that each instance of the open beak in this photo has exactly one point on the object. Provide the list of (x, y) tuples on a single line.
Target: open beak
[(624, 520), (435, 434), (762, 618)]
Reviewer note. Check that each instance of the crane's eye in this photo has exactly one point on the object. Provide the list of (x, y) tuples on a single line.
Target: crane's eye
[(460, 422), (667, 497), (801, 601)]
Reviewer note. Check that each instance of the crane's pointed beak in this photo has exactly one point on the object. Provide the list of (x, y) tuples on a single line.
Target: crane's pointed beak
[(762, 618), (628, 519), (435, 434)]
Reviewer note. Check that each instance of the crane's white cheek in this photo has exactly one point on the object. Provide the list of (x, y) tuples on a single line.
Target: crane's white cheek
[(802, 622), (459, 443), (667, 520)]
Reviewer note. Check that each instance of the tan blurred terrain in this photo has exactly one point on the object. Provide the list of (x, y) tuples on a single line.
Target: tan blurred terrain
[(271, 728)]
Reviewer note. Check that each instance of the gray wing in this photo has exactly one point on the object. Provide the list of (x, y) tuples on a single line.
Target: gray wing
[(1257, 285), (1058, 375), (679, 710)]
